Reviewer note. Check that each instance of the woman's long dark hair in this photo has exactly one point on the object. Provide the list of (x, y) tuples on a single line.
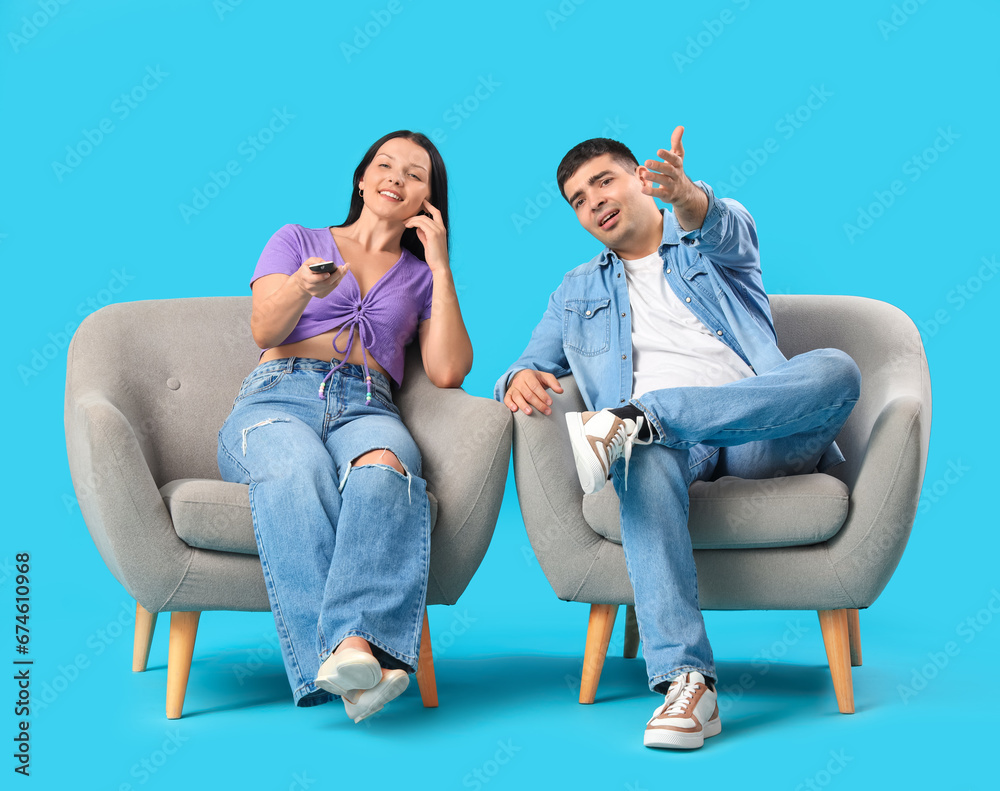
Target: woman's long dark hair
[(438, 196)]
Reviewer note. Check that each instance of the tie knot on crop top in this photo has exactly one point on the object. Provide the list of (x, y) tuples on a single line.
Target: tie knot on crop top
[(361, 327), (384, 320)]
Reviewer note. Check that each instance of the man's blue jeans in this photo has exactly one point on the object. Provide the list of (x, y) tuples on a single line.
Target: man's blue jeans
[(345, 549), (775, 424)]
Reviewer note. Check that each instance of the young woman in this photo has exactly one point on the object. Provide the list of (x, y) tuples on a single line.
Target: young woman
[(339, 509)]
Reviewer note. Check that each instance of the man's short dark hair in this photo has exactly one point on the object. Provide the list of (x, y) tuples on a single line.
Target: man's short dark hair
[(579, 154)]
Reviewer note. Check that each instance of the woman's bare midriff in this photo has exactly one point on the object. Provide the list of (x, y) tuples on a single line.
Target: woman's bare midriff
[(320, 347)]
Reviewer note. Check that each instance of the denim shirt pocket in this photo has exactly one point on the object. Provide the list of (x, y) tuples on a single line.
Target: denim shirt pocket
[(587, 325), (696, 274)]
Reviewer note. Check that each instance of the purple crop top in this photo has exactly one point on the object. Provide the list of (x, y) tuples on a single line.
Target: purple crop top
[(386, 319)]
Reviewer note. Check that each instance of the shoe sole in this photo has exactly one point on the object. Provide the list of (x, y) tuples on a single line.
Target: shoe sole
[(675, 740), (592, 480), (351, 675), (373, 700)]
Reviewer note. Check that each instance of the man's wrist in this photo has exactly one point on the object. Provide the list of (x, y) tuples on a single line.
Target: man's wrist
[(693, 207)]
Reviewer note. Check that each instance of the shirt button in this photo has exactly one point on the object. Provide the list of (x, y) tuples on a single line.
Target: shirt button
[(624, 357), (668, 271), (623, 315), (588, 312), (687, 299), (718, 332), (619, 274), (622, 401)]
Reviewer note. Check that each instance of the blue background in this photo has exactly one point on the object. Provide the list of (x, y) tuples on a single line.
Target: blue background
[(896, 79)]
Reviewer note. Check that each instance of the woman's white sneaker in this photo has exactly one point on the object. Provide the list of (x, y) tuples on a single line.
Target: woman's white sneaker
[(392, 685), (689, 715), (346, 672)]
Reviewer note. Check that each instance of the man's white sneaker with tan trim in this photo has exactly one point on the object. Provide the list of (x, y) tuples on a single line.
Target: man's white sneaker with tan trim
[(689, 715), (599, 439)]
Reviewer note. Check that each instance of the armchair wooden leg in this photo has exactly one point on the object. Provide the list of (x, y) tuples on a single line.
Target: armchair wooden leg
[(602, 621), (836, 638), (854, 629), (631, 633), (425, 668), (183, 630), (145, 623)]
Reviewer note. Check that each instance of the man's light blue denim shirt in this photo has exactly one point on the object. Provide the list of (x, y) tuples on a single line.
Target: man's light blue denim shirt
[(715, 270)]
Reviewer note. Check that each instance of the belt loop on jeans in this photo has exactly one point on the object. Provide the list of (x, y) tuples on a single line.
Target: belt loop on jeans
[(290, 365)]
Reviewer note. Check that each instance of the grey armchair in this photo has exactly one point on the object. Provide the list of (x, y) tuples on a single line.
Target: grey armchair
[(825, 542), (148, 386)]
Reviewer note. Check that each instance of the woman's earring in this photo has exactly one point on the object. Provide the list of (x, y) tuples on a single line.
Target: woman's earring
[(361, 192)]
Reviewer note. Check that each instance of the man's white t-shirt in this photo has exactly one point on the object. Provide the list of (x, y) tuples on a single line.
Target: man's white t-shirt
[(670, 346)]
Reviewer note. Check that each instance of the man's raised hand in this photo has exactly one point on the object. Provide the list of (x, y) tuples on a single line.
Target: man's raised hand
[(527, 389), (668, 173), (690, 203)]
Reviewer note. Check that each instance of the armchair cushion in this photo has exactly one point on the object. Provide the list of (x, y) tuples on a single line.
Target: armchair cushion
[(735, 513), (215, 515)]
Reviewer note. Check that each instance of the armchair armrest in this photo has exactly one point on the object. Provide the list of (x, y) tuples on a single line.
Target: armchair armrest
[(465, 446), (867, 549), (552, 502), (120, 502)]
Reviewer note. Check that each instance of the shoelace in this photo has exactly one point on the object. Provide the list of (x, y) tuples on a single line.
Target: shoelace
[(680, 705), (622, 442)]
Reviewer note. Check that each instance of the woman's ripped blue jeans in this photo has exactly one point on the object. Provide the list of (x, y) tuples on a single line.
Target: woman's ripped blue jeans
[(345, 548)]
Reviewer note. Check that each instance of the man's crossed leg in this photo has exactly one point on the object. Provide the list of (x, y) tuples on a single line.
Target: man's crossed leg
[(778, 423)]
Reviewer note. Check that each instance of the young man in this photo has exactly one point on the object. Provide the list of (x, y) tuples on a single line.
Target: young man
[(669, 336)]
